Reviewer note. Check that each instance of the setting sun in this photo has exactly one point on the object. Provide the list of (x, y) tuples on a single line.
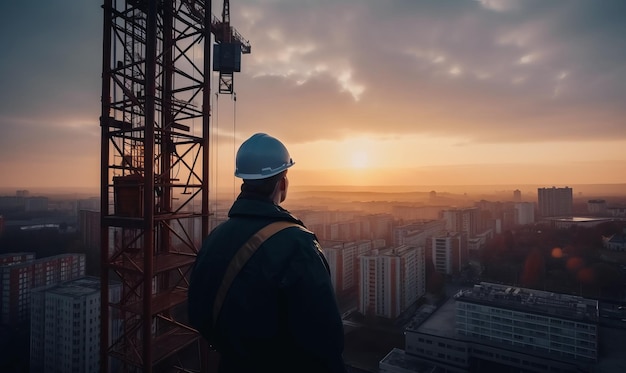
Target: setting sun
[(359, 160)]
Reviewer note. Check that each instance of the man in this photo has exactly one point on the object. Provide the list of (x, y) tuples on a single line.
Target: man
[(279, 314)]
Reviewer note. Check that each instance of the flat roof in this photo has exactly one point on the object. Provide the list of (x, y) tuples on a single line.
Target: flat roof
[(398, 358), (578, 219), (532, 301), (76, 288), (441, 322)]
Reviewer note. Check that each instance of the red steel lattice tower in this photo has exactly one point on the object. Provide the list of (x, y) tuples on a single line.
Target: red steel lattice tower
[(155, 175)]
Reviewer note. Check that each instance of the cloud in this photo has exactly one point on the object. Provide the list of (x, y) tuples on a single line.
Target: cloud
[(52, 58), (58, 139), (446, 69), (499, 5), (482, 71)]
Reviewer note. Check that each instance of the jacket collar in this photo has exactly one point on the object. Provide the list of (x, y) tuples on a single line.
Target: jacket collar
[(250, 205)]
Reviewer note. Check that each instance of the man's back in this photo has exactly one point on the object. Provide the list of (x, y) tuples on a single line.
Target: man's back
[(280, 313)]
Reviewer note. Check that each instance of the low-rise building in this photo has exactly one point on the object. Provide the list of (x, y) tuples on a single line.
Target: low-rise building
[(492, 327)]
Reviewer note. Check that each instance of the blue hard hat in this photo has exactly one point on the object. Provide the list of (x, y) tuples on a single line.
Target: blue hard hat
[(261, 156)]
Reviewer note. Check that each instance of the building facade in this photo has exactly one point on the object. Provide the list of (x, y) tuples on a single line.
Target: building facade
[(556, 324), (462, 220), (25, 273), (449, 252), (416, 233), (597, 207), (65, 326), (555, 201), (341, 259), (391, 280), (524, 213), (89, 228), (493, 327)]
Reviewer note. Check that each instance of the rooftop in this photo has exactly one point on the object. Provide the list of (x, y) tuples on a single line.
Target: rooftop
[(398, 358), (578, 219), (440, 322), (76, 288), (533, 301)]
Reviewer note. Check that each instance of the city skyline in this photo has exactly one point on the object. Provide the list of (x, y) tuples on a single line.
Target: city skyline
[(362, 93)]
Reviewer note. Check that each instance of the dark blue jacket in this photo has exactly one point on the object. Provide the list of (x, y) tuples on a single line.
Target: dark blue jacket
[(280, 314)]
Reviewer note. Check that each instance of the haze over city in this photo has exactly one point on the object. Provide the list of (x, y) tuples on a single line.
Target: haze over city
[(460, 164), (362, 92)]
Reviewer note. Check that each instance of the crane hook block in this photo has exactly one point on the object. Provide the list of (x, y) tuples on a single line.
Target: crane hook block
[(227, 57)]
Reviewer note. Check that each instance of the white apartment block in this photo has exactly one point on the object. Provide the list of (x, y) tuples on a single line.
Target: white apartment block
[(462, 220), (380, 226), (408, 212), (596, 207), (391, 280), (616, 211), (345, 230), (449, 252), (342, 258), (415, 234), (524, 213), (65, 326)]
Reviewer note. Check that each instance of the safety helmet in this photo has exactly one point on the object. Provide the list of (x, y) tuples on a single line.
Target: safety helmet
[(261, 156)]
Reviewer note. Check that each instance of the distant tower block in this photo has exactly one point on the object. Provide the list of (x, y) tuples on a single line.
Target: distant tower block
[(555, 201), (517, 195)]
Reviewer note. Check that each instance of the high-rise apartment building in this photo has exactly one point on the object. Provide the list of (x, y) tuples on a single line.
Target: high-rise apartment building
[(380, 226), (415, 234), (448, 251), (391, 280), (345, 230), (517, 195), (555, 201), (16, 278), (36, 204), (524, 213), (22, 273), (343, 262), (462, 220), (14, 258), (597, 207), (341, 259), (89, 228), (65, 326), (409, 212)]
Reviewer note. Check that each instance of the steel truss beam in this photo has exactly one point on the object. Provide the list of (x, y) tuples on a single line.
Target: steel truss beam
[(154, 178)]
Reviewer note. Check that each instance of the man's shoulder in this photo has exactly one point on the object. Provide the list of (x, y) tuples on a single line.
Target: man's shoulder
[(298, 231)]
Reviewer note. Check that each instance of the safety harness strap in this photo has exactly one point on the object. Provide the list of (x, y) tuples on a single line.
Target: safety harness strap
[(241, 258)]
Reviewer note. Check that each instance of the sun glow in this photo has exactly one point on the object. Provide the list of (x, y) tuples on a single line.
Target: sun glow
[(359, 160)]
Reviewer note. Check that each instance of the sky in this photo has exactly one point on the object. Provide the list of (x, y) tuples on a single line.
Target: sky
[(362, 92)]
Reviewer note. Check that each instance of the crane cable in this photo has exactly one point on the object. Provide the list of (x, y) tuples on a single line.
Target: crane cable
[(215, 144), (234, 98)]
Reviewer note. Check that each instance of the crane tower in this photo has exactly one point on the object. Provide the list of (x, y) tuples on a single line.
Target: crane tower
[(156, 75)]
